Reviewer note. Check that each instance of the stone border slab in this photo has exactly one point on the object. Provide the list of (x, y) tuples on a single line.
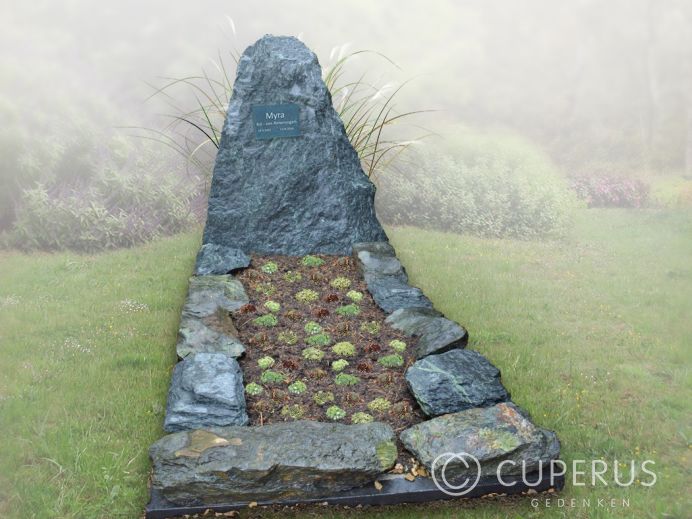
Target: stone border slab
[(395, 490)]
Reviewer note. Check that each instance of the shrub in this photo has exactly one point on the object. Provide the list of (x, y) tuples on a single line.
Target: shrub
[(348, 310), (254, 389), (297, 388), (270, 267), (344, 349), (313, 353), (491, 189), (272, 306), (288, 337), (111, 210), (307, 296), (361, 418), (319, 339), (391, 361), (605, 190), (265, 362), (335, 412), (340, 283), (267, 320), (344, 379), (397, 345), (355, 296), (312, 261), (272, 377), (339, 365), (323, 397), (311, 328), (379, 405)]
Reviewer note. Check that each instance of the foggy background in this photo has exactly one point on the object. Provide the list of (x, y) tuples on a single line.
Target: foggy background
[(596, 86)]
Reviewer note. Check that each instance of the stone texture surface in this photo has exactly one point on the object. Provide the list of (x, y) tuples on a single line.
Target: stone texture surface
[(292, 459), (455, 381), (205, 324), (436, 333), (219, 259), (206, 391), (386, 278), (298, 195), (215, 334), (491, 434)]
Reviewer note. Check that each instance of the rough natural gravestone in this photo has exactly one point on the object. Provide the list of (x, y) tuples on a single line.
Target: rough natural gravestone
[(290, 195)]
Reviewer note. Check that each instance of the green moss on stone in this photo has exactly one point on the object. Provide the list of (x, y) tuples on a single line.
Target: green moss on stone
[(386, 454)]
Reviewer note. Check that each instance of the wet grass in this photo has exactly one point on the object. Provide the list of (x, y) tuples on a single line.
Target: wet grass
[(592, 334)]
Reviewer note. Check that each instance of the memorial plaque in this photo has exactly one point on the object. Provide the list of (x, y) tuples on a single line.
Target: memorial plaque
[(275, 121)]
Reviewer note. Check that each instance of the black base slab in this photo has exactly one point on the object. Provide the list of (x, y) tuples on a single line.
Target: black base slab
[(395, 490)]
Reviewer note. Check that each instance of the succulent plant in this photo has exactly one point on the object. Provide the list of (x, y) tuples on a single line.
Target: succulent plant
[(294, 411), (361, 418), (339, 365), (311, 328), (313, 353), (267, 320), (344, 379), (319, 339), (348, 310), (316, 373), (364, 367), (254, 389), (371, 327), (344, 349), (297, 388), (373, 347), (334, 412), (312, 261), (265, 288), (265, 362), (320, 312), (288, 337), (397, 345), (307, 296), (272, 377), (391, 361), (293, 315), (292, 277), (340, 283), (290, 363), (323, 397), (355, 296), (379, 405), (270, 267), (247, 309), (272, 306), (331, 298)]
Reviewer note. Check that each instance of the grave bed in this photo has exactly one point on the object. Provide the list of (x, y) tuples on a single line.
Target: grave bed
[(309, 387), (243, 421)]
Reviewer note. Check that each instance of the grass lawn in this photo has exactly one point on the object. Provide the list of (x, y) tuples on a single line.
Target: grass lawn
[(592, 334)]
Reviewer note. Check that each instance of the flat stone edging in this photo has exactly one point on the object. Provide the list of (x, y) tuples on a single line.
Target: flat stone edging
[(395, 490)]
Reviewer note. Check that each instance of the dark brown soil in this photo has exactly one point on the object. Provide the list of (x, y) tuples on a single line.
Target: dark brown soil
[(376, 381)]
